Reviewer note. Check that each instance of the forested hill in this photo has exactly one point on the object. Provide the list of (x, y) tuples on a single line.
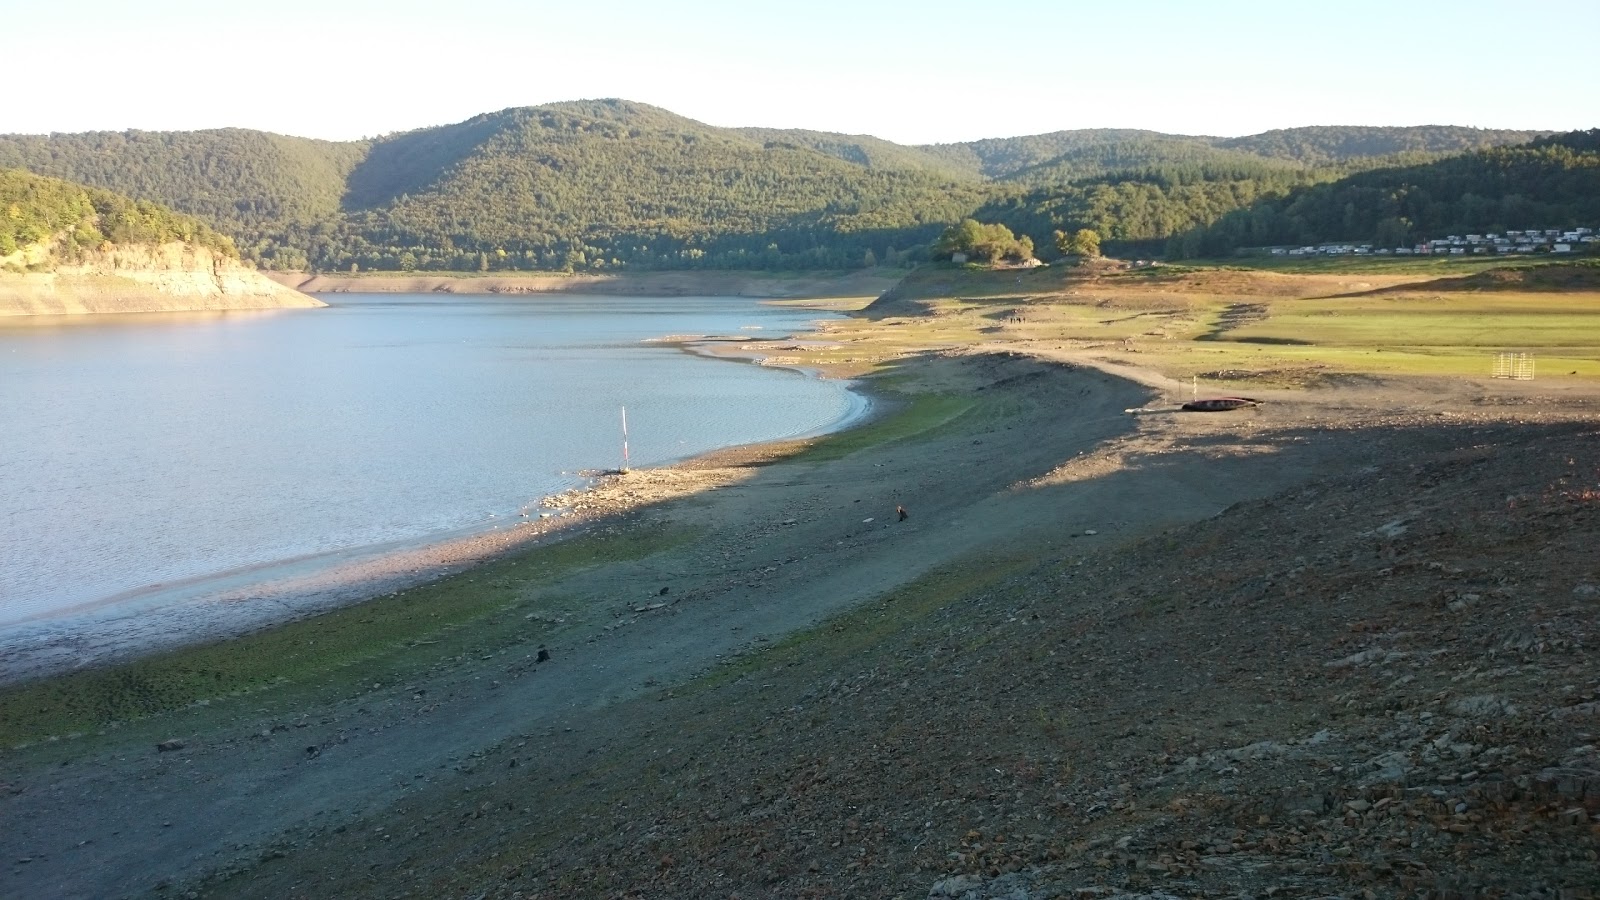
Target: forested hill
[(261, 188), (576, 184), (42, 219), (1098, 152), (1552, 182), (1323, 145), (598, 185)]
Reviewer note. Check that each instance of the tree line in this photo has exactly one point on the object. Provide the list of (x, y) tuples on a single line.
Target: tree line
[(1552, 182), (608, 185), (70, 218)]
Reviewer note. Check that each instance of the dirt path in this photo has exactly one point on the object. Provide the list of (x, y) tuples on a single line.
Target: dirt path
[(1050, 457)]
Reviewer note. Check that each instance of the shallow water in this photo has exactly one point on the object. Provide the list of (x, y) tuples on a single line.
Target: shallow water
[(144, 450)]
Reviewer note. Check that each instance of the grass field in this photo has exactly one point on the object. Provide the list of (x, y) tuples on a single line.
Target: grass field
[(1287, 325)]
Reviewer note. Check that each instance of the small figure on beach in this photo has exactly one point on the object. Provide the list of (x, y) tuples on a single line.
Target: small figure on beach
[(901, 512)]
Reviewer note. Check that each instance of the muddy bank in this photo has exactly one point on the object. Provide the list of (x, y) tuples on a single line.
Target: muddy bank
[(862, 283)]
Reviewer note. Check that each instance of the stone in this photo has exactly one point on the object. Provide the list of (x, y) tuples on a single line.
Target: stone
[(169, 745), (1258, 750), (1373, 656), (1573, 783), (1390, 767), (1483, 706)]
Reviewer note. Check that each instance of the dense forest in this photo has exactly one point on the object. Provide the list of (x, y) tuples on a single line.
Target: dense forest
[(1551, 182), (607, 184), (38, 210), (264, 189)]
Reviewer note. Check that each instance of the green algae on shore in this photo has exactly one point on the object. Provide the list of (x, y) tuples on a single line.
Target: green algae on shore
[(488, 609)]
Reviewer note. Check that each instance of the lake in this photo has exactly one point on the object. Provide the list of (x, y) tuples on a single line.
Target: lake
[(148, 450)]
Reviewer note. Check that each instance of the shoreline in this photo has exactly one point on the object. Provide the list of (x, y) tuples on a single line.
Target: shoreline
[(218, 606), (777, 547), (861, 283), (1043, 467)]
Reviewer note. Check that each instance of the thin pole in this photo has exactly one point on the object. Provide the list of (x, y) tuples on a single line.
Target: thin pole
[(625, 461)]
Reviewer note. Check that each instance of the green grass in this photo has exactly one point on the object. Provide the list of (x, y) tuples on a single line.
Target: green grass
[(1454, 335), (491, 609), (1461, 322), (922, 414)]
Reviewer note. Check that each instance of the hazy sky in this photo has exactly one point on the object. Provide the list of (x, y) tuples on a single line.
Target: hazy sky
[(921, 72)]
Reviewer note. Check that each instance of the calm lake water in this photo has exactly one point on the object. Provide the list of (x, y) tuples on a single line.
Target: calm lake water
[(149, 449)]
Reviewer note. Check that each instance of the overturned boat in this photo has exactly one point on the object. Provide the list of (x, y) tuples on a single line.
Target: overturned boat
[(1220, 404)]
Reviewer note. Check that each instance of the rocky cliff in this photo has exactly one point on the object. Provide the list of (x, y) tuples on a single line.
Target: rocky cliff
[(137, 278)]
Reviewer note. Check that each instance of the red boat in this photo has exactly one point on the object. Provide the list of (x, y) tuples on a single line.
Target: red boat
[(1220, 404)]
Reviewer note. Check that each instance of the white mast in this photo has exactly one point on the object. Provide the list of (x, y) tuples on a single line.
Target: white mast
[(625, 461)]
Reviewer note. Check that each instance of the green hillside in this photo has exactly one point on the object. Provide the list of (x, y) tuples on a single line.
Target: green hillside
[(602, 184), (37, 210), (265, 189), (997, 158), (607, 183), (1065, 156), (1183, 159), (864, 150), (1552, 182), (1327, 145)]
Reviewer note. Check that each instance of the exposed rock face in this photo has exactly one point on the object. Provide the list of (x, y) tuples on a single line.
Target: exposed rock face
[(169, 277)]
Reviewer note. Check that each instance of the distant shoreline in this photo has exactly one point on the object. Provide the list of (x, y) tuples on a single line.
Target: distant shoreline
[(768, 285)]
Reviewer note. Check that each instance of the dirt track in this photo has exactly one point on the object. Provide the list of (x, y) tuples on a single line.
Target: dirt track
[(1050, 466)]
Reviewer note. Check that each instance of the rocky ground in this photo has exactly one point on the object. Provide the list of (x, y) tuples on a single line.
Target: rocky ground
[(1379, 683), (1382, 684), (1337, 646)]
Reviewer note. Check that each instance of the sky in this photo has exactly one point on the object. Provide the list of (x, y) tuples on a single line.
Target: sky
[(910, 72)]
